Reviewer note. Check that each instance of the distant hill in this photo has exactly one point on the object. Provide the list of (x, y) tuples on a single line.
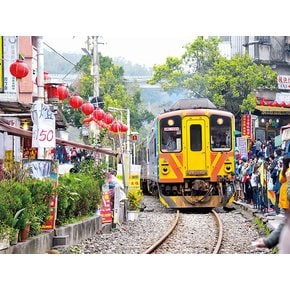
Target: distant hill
[(154, 97), (55, 64)]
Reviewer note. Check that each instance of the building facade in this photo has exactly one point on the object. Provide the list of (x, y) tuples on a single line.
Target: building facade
[(273, 107)]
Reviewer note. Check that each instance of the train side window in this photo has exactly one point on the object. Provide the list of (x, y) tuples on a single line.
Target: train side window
[(220, 133), (195, 138)]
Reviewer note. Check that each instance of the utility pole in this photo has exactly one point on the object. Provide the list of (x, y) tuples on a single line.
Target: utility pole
[(40, 69), (96, 69), (96, 74)]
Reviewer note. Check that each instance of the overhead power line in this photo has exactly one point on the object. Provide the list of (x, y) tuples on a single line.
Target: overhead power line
[(59, 54)]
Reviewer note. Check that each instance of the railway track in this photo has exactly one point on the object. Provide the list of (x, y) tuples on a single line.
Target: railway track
[(174, 233), (195, 233)]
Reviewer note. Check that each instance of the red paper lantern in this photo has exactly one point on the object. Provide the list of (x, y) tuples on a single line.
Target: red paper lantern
[(88, 120), (115, 127), (98, 114), (275, 104), (46, 77), (75, 101), (283, 104), (123, 128), (108, 118), (102, 124), (63, 92), (87, 108), (52, 94), (19, 69)]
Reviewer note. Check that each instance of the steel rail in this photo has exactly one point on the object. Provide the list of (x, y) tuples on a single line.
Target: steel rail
[(164, 237), (220, 234)]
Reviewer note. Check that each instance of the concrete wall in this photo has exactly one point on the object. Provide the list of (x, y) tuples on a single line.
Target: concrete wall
[(73, 234)]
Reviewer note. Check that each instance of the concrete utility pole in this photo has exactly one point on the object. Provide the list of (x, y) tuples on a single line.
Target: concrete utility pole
[(96, 64), (40, 69), (96, 69)]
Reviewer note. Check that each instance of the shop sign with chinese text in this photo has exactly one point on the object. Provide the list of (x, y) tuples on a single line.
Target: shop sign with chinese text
[(43, 134)]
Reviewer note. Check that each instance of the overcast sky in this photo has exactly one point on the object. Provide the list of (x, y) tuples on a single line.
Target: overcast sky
[(147, 50), (145, 32)]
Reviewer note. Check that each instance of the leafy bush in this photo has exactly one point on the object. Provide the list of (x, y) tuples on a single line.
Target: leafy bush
[(78, 195), (134, 199)]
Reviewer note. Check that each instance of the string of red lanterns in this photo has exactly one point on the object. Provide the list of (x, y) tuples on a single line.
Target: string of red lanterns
[(105, 121), (264, 102), (19, 69)]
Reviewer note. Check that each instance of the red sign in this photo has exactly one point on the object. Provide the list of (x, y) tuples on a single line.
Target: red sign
[(50, 223), (106, 210), (247, 126)]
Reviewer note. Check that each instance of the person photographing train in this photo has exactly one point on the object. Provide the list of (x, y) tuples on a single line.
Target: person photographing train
[(281, 234)]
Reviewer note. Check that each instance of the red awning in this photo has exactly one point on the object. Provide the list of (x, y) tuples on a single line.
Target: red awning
[(5, 127)]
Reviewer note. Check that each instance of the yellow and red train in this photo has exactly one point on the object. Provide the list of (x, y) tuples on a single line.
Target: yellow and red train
[(190, 156)]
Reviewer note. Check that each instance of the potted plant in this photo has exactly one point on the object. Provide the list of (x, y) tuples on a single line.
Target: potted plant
[(15, 233), (134, 199)]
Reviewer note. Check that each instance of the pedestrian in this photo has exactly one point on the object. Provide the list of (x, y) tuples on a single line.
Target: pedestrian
[(73, 154), (283, 201), (256, 188), (284, 245), (258, 147)]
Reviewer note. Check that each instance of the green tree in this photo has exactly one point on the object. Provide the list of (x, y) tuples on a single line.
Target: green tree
[(202, 71), (113, 93), (232, 83)]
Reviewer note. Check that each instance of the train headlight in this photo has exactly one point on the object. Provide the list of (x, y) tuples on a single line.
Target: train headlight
[(228, 168), (165, 170)]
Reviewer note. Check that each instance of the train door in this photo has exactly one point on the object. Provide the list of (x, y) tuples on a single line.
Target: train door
[(196, 147)]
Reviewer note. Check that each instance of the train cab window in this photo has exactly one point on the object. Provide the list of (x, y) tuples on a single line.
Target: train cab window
[(195, 138), (170, 134), (220, 133)]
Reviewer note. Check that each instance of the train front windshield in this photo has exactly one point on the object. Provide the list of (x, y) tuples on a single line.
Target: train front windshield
[(170, 129), (220, 133)]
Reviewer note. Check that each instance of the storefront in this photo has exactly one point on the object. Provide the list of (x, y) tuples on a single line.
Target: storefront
[(269, 120)]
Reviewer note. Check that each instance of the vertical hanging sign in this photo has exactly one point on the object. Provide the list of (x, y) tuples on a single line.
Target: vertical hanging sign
[(10, 54), (1, 65), (43, 134), (247, 126)]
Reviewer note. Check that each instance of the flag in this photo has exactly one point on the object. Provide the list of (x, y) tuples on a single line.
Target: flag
[(271, 196)]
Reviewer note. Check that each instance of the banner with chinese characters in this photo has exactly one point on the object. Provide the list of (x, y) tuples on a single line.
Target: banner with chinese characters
[(134, 178), (283, 82), (247, 126), (1, 65), (106, 209), (10, 54), (43, 134)]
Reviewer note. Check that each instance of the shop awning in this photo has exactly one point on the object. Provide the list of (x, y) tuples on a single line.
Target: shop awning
[(5, 127), (269, 110)]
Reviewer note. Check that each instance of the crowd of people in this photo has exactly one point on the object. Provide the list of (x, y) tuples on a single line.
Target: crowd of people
[(66, 154), (262, 181)]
